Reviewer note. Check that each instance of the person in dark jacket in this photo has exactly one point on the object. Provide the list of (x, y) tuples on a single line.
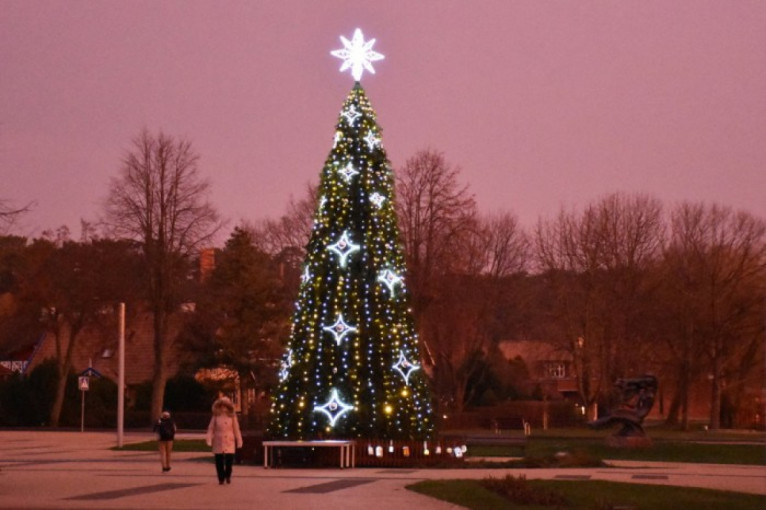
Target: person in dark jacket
[(166, 432)]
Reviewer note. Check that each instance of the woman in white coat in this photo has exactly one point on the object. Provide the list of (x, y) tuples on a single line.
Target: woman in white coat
[(224, 436)]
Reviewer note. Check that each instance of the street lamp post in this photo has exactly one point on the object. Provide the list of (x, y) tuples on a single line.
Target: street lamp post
[(121, 376)]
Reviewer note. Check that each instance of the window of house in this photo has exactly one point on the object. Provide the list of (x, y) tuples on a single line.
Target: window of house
[(556, 370)]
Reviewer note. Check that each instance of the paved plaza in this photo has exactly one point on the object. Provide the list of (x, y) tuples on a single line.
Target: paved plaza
[(68, 470)]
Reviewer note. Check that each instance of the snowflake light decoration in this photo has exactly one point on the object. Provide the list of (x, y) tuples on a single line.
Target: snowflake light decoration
[(405, 367), (348, 172), (287, 362), (339, 329), (343, 247), (306, 276), (389, 278), (357, 55), (351, 115), (334, 408), (377, 199), (371, 140)]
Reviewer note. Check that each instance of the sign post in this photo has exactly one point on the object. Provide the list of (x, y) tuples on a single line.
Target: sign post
[(83, 382)]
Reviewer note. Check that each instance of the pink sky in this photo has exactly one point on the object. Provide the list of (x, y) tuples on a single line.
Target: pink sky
[(542, 104)]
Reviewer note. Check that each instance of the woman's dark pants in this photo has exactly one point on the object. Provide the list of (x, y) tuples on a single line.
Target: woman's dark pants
[(223, 463)]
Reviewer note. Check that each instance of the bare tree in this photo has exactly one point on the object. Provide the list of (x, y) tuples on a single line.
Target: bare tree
[(9, 215), (716, 267), (462, 321), (435, 216), (504, 246), (160, 200), (438, 222), (597, 262), (73, 284), (290, 233)]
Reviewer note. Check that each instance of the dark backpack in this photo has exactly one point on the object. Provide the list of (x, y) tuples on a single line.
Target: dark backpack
[(166, 430)]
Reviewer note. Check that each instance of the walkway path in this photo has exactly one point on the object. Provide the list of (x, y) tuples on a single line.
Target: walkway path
[(68, 470)]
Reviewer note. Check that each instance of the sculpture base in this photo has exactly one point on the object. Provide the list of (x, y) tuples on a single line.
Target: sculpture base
[(629, 442)]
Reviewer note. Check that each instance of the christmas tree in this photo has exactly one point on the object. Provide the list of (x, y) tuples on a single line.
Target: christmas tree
[(352, 367)]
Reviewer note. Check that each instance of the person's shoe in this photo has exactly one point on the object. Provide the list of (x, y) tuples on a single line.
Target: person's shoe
[(228, 479), (220, 482)]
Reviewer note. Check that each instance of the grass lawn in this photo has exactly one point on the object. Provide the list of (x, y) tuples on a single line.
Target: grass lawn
[(723, 447), (667, 451), (592, 495)]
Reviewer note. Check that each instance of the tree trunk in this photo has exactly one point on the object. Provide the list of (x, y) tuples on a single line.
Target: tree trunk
[(715, 402), (244, 405), (685, 403), (58, 400), (63, 366), (158, 394), (159, 378), (592, 411), (673, 411)]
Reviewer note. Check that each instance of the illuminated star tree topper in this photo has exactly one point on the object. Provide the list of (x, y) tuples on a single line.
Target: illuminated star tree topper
[(357, 55)]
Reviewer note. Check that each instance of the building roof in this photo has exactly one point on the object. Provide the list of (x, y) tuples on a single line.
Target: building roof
[(98, 348)]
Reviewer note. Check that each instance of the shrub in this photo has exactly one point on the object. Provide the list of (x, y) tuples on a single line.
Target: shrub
[(518, 490)]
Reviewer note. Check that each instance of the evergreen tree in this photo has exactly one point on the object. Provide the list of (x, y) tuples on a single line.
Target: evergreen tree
[(352, 368)]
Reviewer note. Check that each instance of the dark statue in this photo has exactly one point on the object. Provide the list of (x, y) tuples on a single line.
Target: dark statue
[(637, 398)]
